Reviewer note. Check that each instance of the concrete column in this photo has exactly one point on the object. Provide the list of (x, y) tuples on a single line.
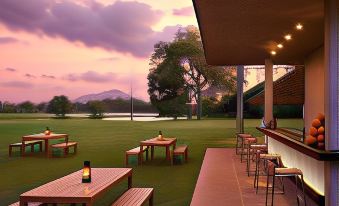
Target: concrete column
[(268, 90), (240, 100), (331, 99)]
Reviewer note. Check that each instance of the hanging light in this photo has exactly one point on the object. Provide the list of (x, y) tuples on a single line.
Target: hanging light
[(280, 46), (273, 53)]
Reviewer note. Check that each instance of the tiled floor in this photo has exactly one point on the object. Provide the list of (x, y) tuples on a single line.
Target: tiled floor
[(223, 181)]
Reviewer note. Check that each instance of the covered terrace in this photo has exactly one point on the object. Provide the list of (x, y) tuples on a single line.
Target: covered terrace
[(299, 33)]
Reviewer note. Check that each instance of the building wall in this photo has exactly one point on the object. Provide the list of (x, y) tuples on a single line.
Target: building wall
[(314, 87)]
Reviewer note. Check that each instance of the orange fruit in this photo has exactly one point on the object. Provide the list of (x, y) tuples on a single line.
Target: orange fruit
[(310, 140), (321, 130), (316, 123), (321, 146), (321, 138), (321, 116), (313, 131)]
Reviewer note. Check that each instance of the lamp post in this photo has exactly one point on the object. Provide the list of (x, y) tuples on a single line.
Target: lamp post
[(131, 85)]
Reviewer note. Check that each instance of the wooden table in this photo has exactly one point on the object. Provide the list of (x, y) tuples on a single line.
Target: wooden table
[(166, 142), (69, 189), (44, 137)]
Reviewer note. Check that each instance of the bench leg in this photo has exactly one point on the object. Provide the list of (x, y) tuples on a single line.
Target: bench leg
[(40, 146), (65, 151), (140, 155), (75, 148), (186, 155), (152, 152), (147, 153), (32, 147), (10, 151)]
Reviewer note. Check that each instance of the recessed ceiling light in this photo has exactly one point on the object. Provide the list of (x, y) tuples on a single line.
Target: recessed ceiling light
[(299, 26), (273, 53), (288, 37), (280, 46)]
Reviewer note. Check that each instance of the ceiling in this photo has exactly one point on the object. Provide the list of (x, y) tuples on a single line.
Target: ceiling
[(244, 32)]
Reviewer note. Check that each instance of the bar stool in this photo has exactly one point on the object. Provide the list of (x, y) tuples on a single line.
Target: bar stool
[(240, 140), (253, 150), (289, 172), (246, 145), (266, 159)]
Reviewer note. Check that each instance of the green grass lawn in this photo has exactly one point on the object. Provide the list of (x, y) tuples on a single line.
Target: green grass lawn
[(104, 144)]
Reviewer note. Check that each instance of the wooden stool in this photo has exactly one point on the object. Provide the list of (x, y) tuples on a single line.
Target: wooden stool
[(240, 139), (253, 149), (289, 172), (245, 146)]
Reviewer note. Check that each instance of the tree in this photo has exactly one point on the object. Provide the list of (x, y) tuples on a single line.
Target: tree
[(26, 107), (59, 105), (42, 107), (97, 108), (8, 107), (179, 68)]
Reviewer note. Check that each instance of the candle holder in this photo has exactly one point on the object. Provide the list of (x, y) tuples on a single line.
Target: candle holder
[(86, 173)]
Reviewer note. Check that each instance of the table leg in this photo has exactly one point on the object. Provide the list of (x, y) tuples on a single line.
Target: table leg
[(152, 152), (168, 155), (46, 147), (23, 148), (130, 182)]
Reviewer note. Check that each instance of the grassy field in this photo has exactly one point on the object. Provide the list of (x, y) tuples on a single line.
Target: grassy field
[(104, 144)]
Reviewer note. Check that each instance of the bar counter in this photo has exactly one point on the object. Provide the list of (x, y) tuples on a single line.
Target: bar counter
[(295, 153)]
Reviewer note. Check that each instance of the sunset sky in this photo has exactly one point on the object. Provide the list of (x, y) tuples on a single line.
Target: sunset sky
[(77, 47)]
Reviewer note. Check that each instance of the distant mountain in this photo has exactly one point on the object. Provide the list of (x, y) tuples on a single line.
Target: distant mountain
[(112, 94)]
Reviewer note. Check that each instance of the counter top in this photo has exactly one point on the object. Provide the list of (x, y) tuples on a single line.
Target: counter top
[(300, 146)]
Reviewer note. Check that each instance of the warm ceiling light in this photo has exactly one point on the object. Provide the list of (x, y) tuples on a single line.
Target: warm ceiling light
[(273, 53), (280, 46), (288, 37), (299, 26)]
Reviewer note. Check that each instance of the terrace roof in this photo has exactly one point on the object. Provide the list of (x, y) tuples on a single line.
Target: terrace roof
[(238, 32)]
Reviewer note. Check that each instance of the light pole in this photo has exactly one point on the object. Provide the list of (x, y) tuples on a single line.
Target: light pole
[(131, 85)]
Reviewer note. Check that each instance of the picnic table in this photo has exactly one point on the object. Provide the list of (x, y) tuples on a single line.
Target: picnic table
[(70, 189), (166, 142), (44, 137)]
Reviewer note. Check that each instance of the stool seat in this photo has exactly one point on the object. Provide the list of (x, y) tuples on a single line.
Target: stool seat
[(258, 146), (243, 136), (250, 140), (269, 156), (288, 171)]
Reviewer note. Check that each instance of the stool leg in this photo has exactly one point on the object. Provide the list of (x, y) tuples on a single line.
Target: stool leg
[(242, 150), (255, 173), (302, 185), (267, 182), (237, 145), (273, 181), (296, 188)]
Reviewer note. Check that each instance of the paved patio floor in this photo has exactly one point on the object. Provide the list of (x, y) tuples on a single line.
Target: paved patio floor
[(225, 182)]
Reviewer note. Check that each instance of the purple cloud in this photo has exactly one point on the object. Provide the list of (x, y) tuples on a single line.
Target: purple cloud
[(91, 76), (186, 11), (7, 40), (122, 26), (10, 69), (30, 75), (16, 84), (47, 76)]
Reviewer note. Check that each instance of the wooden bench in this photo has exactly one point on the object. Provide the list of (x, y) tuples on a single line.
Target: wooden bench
[(65, 146), (29, 204), (181, 151), (135, 197), (27, 143), (136, 151)]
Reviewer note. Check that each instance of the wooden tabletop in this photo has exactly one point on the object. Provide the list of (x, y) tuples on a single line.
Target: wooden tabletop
[(70, 189), (44, 136), (156, 141)]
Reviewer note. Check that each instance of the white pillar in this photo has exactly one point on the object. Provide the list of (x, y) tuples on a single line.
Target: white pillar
[(331, 99), (268, 90), (240, 103)]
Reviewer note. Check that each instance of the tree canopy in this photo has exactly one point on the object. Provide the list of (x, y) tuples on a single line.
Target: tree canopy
[(60, 105), (179, 68)]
